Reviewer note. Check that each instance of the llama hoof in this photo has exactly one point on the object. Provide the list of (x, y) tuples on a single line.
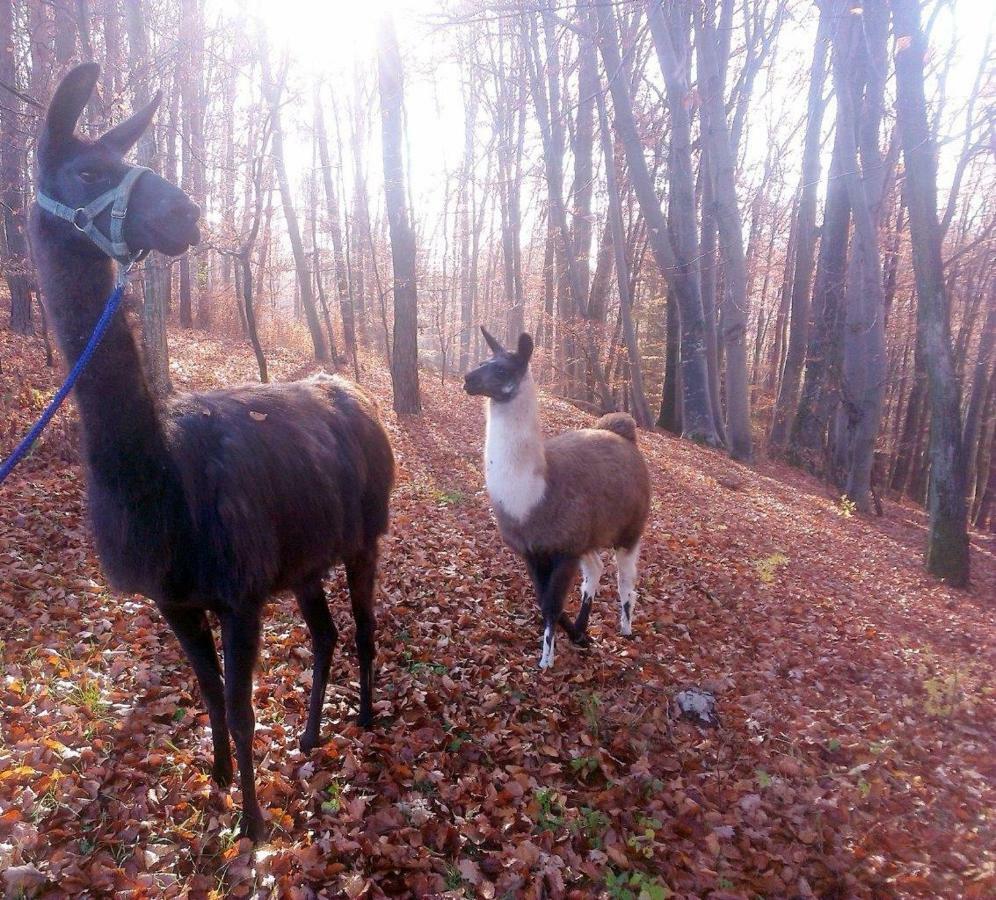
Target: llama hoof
[(309, 742), (365, 720), (580, 639), (222, 774)]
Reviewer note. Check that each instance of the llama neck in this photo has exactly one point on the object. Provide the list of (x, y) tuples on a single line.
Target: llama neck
[(124, 446), (515, 464)]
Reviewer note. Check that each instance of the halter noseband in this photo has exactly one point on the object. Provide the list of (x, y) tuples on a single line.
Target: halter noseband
[(84, 217)]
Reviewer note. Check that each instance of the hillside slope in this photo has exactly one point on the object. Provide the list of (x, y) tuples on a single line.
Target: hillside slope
[(854, 755)]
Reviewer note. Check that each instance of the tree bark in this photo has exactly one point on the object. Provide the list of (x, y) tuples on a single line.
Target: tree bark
[(947, 543), (273, 91), (155, 344), (696, 406), (805, 242), (820, 381), (12, 167), (404, 360), (343, 287), (735, 305)]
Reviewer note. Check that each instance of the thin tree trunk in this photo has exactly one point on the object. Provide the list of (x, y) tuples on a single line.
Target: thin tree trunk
[(805, 242), (404, 359), (273, 91), (641, 409), (335, 230)]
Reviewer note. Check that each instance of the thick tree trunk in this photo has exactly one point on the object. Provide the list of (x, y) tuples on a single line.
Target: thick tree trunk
[(805, 242), (859, 75), (735, 305), (947, 543), (819, 388), (404, 360), (13, 164), (696, 406)]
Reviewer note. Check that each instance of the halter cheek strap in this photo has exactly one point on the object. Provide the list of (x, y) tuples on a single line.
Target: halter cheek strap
[(84, 218)]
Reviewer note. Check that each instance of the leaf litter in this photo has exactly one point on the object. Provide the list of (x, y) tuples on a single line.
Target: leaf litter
[(855, 753)]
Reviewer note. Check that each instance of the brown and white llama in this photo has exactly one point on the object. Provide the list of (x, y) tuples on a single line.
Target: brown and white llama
[(561, 501), (210, 502)]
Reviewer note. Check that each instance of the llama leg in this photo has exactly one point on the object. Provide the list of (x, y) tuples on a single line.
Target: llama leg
[(194, 634), (562, 572), (361, 572), (591, 574), (626, 561), (315, 609), (240, 639)]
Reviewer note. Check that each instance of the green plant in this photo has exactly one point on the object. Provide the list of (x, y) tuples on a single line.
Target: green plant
[(87, 694), (635, 886), (845, 507), (453, 878), (590, 705), (942, 695), (549, 814), (642, 842), (334, 794), (584, 766), (591, 825), (767, 567), (450, 497), (763, 778)]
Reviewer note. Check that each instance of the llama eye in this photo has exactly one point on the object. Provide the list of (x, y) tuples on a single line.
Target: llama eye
[(90, 176)]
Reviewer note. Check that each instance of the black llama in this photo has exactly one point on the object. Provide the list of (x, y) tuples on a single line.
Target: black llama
[(211, 502)]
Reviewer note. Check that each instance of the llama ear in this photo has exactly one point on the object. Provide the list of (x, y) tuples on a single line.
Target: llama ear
[(67, 103), (121, 138), (525, 348), (492, 342)]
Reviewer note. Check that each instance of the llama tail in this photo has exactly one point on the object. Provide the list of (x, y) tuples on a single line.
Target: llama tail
[(622, 424)]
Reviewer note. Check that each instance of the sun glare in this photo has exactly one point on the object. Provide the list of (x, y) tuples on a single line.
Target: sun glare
[(320, 36)]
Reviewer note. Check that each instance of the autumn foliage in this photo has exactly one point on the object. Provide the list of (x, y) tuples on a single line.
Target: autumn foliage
[(854, 754)]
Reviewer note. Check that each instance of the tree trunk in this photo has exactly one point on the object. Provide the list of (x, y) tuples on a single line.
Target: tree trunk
[(404, 360), (273, 91), (805, 242), (155, 344), (947, 542), (641, 409), (13, 164), (343, 288), (696, 404), (735, 306), (819, 388)]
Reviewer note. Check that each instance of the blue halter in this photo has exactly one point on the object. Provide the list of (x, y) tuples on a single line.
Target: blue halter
[(84, 217)]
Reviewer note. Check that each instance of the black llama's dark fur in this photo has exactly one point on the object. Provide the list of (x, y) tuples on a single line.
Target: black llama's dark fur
[(213, 501)]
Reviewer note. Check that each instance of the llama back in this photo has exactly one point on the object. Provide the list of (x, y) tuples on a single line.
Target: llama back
[(303, 472), (619, 423)]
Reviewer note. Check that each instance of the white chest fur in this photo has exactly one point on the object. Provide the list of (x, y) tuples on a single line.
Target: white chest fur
[(513, 453)]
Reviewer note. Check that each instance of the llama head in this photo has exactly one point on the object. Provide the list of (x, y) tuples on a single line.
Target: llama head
[(499, 377), (74, 171)]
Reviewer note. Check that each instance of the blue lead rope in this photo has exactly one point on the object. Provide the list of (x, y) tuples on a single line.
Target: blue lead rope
[(113, 302)]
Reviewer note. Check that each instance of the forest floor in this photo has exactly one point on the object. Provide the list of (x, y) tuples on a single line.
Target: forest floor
[(855, 754)]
